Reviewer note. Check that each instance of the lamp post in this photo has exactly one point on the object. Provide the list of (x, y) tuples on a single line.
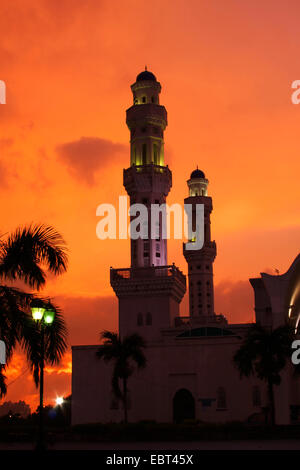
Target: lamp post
[(44, 315)]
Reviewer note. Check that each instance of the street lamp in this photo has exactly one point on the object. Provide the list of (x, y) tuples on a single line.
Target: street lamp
[(43, 314)]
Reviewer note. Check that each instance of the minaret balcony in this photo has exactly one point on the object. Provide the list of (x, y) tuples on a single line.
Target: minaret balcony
[(153, 280), (152, 114), (147, 178)]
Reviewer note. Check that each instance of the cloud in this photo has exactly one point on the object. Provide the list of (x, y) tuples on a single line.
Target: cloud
[(235, 300), (86, 317), (5, 145), (84, 157)]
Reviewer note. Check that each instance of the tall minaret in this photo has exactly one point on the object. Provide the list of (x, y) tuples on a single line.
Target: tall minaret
[(150, 291), (148, 180), (200, 262)]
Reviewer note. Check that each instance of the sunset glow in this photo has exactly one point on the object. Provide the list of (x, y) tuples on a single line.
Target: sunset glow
[(226, 70)]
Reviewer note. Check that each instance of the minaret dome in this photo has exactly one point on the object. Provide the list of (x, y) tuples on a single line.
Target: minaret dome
[(197, 183)]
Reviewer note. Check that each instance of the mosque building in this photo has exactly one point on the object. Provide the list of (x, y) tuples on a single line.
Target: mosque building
[(190, 374)]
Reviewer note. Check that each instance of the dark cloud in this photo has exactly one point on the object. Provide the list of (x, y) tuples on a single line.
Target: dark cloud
[(235, 300), (84, 157), (86, 317), (5, 145)]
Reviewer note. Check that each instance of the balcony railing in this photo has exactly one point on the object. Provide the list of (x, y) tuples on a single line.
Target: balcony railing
[(148, 168), (194, 321), (146, 272)]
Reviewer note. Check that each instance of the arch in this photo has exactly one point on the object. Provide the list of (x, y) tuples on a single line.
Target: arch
[(183, 405)]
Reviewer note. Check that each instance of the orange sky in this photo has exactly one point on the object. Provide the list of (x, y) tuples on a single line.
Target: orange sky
[(226, 70)]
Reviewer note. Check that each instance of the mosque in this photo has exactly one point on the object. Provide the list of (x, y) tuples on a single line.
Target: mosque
[(190, 373)]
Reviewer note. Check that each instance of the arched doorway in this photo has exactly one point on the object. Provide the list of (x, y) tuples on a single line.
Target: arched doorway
[(183, 406)]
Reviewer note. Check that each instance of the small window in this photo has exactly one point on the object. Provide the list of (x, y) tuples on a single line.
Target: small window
[(143, 129), (153, 99), (221, 399), (199, 283), (198, 267), (157, 255), (146, 254), (139, 319), (144, 99), (207, 267), (148, 319), (207, 283)]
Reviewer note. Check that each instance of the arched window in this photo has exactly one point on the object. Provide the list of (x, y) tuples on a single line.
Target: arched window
[(155, 154), (134, 154), (148, 319), (221, 399), (256, 397), (144, 154), (139, 319)]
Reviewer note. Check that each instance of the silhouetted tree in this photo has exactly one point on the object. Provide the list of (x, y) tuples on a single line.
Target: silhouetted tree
[(124, 352), (264, 353), (27, 254)]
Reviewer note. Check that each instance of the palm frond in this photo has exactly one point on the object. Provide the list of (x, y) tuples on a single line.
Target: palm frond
[(29, 247)]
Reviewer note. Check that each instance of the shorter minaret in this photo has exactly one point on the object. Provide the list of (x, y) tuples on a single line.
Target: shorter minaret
[(200, 262)]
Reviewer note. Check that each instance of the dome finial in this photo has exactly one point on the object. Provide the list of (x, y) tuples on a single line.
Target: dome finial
[(146, 68)]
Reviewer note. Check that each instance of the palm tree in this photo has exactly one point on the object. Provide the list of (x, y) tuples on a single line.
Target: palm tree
[(264, 353), (124, 353), (27, 255)]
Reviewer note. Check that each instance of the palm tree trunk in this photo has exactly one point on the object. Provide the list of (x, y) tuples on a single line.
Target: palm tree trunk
[(271, 402), (125, 400)]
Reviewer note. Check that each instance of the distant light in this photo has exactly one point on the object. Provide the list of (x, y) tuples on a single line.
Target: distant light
[(59, 400)]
